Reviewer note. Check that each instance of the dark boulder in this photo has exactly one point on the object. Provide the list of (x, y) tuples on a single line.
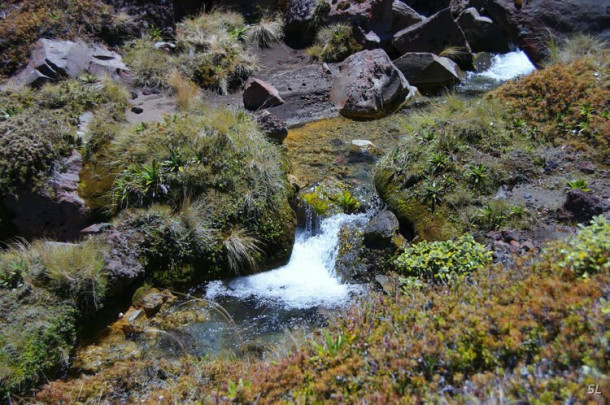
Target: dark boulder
[(404, 16), (272, 126), (583, 206), (56, 211), (369, 86), (528, 23), (259, 94), (373, 18), (427, 71), (380, 230), (428, 7), (482, 34), (435, 35), (299, 21)]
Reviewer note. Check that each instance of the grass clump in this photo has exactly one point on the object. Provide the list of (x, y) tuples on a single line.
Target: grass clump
[(211, 51), (215, 189), (447, 165), (443, 261), (268, 30), (334, 43), (45, 289)]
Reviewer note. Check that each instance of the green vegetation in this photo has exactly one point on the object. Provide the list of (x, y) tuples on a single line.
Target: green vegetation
[(500, 331), (38, 129), (334, 43), (443, 262), (211, 51), (214, 193), (446, 166), (329, 197), (566, 103), (45, 289), (268, 30)]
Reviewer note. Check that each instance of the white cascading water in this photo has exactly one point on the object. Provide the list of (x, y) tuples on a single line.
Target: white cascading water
[(307, 281), (503, 67), (509, 66)]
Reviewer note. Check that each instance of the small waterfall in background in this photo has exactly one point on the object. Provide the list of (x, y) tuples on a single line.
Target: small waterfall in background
[(501, 69)]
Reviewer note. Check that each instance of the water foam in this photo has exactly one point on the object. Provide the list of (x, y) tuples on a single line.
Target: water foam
[(509, 66), (307, 281)]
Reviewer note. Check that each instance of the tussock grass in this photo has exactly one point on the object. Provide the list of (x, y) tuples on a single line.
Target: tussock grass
[(241, 250), (185, 90), (269, 30), (334, 43)]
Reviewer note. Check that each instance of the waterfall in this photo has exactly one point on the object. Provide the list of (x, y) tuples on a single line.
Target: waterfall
[(307, 281)]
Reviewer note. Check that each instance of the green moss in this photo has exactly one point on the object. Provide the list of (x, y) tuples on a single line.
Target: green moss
[(37, 333), (329, 197)]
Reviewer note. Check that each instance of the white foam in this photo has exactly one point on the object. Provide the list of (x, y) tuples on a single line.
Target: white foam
[(308, 280), (509, 66)]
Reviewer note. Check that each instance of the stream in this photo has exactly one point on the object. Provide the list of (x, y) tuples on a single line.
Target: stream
[(249, 313)]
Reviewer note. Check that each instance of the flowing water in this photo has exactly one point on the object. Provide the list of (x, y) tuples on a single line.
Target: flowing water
[(265, 305), (503, 68)]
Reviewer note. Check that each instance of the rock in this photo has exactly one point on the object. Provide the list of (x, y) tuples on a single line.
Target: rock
[(374, 18), (387, 284), (137, 110), (435, 34), (427, 71), (428, 7), (152, 302), (380, 230), (272, 126), (298, 21), (53, 60), (583, 206), (482, 61), (528, 23), (362, 150), (56, 212), (482, 34), (122, 264), (404, 16), (96, 229), (259, 94), (369, 86)]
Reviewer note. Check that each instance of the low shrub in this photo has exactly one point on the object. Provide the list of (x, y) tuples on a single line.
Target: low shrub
[(443, 261), (334, 43), (268, 30)]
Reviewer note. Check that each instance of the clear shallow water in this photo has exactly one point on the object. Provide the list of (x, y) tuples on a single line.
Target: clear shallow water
[(503, 68)]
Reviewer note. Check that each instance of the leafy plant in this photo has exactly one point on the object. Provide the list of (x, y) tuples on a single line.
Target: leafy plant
[(443, 261), (12, 273), (587, 253), (476, 174), (331, 346), (433, 194), (578, 185), (439, 161)]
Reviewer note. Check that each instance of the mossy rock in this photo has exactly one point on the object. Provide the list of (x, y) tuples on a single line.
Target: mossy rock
[(328, 197), (416, 219)]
